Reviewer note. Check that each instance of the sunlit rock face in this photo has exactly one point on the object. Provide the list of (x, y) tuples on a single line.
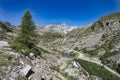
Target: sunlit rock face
[(62, 28)]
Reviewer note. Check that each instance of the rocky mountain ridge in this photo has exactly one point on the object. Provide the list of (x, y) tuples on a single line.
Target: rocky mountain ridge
[(7, 30), (62, 28)]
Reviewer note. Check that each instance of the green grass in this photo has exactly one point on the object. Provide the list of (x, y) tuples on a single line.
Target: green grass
[(73, 54), (50, 36), (56, 68), (90, 52), (111, 16), (104, 60), (97, 70), (6, 59), (104, 57), (118, 68), (1, 72)]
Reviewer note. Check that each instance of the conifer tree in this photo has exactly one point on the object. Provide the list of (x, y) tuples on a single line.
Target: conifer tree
[(27, 34), (27, 38)]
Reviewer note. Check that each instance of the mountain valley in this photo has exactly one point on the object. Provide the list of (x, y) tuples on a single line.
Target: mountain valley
[(64, 53)]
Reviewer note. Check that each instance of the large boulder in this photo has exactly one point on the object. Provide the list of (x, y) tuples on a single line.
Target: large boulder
[(3, 43), (25, 70)]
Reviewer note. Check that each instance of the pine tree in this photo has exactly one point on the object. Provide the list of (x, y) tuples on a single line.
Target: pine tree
[(27, 33), (27, 38)]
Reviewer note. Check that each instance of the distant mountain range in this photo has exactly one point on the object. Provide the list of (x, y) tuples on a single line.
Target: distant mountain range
[(63, 28)]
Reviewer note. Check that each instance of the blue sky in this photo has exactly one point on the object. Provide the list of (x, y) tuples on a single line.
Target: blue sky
[(72, 12)]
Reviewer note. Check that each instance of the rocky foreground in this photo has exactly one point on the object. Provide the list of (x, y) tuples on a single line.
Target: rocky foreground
[(49, 66), (15, 66)]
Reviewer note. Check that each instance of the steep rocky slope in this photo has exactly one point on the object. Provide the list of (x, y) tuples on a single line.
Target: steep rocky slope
[(101, 39), (6, 30)]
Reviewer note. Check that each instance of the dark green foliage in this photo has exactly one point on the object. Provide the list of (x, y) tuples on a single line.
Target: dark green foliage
[(1, 73), (6, 27), (103, 37), (104, 57), (27, 38), (97, 70), (104, 60), (27, 34), (76, 48), (90, 52), (118, 68), (56, 68)]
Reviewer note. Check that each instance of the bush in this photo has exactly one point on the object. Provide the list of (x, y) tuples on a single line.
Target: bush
[(90, 52), (56, 68), (118, 68), (104, 57)]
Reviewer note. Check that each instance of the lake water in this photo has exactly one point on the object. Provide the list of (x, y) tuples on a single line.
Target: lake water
[(66, 55)]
